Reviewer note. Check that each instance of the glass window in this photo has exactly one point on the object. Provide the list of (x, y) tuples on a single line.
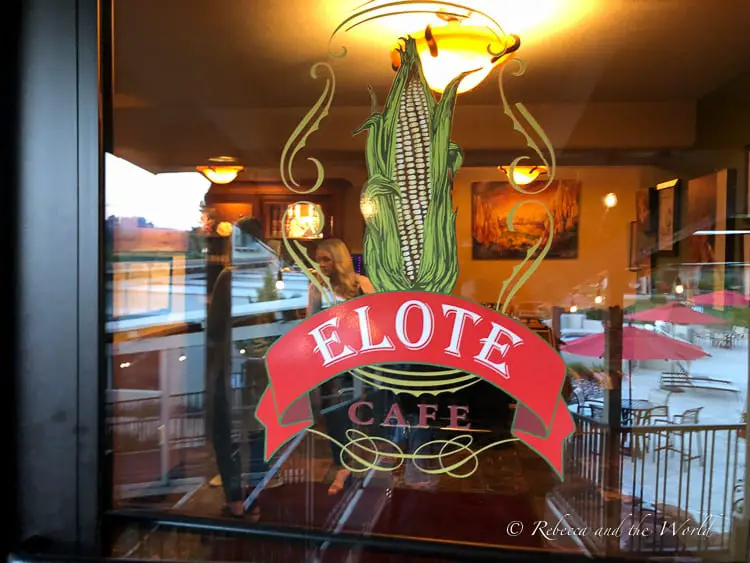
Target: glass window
[(469, 272)]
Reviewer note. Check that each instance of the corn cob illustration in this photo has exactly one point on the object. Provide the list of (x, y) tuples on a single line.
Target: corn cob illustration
[(410, 227)]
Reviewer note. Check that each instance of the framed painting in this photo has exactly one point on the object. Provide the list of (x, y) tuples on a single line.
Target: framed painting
[(645, 229), (492, 202), (705, 220), (705, 196), (633, 254), (666, 219)]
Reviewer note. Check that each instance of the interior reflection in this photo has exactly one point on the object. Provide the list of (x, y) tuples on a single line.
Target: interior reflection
[(274, 164)]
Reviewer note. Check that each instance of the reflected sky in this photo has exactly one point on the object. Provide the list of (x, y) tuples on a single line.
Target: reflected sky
[(168, 200)]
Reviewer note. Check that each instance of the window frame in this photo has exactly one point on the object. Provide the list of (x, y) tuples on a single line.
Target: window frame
[(62, 479), (58, 454)]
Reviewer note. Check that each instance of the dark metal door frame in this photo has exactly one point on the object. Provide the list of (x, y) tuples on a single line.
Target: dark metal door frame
[(57, 279)]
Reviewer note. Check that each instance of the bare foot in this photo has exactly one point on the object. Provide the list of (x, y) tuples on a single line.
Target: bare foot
[(339, 481)]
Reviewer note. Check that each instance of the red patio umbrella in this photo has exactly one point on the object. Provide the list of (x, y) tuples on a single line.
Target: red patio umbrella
[(723, 298), (675, 313), (637, 344)]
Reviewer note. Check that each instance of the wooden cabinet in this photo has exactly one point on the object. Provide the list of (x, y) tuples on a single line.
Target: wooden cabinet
[(269, 201), (273, 216)]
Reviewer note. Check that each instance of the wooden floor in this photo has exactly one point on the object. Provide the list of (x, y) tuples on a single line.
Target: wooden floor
[(509, 475), (508, 469)]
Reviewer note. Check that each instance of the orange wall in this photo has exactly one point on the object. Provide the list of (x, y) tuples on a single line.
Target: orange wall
[(603, 237)]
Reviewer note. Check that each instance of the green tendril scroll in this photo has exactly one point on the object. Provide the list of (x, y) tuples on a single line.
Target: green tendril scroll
[(502, 304), (516, 110), (523, 121), (309, 124)]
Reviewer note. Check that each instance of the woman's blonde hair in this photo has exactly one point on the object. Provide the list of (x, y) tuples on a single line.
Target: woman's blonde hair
[(343, 278)]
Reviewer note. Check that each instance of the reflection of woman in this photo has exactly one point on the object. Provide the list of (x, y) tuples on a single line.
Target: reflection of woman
[(218, 392), (219, 419), (336, 263)]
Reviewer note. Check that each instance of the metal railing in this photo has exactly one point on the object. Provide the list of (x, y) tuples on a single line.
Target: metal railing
[(677, 486), (147, 434)]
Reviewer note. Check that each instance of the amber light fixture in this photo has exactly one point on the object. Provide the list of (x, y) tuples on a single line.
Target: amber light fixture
[(221, 174), (523, 175), (679, 288), (456, 46), (224, 229), (599, 298), (304, 220)]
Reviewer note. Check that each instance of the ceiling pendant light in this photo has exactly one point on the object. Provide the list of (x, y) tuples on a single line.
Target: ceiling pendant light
[(523, 175), (222, 170), (220, 174), (455, 46)]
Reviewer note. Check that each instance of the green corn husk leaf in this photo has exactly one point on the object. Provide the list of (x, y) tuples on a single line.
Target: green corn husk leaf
[(381, 245), (438, 270)]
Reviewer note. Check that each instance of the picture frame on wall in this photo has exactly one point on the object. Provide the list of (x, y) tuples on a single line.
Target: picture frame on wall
[(633, 254), (666, 216), (492, 203), (645, 240), (705, 247)]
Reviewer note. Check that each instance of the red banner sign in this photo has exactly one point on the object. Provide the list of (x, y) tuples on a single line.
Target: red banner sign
[(419, 328)]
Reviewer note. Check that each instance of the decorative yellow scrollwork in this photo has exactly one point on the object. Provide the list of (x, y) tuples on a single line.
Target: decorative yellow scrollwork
[(519, 114), (309, 124), (453, 457), (415, 383), (529, 254), (513, 111)]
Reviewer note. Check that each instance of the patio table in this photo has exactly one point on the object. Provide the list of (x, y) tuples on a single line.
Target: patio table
[(628, 408)]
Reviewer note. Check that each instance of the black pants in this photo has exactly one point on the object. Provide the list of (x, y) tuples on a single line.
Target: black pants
[(336, 413), (226, 450)]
